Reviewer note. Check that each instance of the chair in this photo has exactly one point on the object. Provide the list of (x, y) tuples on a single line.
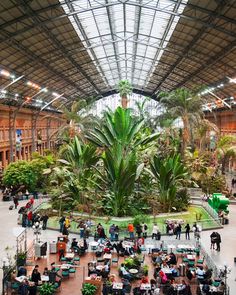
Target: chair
[(72, 271), (186, 260), (57, 286), (76, 259), (200, 261), (63, 259), (65, 274), (191, 263), (115, 260)]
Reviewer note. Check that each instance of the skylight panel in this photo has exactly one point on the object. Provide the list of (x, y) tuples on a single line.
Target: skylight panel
[(107, 32)]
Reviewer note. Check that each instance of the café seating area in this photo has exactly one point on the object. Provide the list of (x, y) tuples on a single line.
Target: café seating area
[(177, 269)]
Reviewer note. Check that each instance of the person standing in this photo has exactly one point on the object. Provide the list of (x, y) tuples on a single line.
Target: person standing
[(44, 219), (15, 201), (155, 231), (131, 230), (138, 230), (144, 230), (112, 232), (178, 231), (218, 241), (61, 223), (81, 227), (187, 231)]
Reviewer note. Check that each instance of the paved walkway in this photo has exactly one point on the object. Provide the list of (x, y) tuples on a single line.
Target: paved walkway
[(8, 221)]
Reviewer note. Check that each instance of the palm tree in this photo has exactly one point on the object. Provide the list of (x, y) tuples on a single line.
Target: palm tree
[(125, 89), (183, 104), (226, 150), (78, 119), (203, 131)]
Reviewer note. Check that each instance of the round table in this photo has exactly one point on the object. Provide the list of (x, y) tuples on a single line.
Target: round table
[(133, 271)]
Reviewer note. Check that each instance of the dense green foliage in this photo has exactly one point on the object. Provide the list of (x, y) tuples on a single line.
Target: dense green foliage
[(28, 174)]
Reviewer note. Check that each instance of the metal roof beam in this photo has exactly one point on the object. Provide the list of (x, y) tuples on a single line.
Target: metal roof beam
[(112, 30), (58, 44), (200, 33), (44, 21), (209, 62), (32, 56)]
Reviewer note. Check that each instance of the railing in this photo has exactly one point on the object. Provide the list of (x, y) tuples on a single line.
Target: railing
[(212, 212)]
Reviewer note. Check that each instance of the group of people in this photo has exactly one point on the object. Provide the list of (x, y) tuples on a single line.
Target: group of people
[(140, 229), (32, 281)]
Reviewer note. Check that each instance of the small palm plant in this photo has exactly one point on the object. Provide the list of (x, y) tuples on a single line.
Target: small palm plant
[(125, 89), (89, 289)]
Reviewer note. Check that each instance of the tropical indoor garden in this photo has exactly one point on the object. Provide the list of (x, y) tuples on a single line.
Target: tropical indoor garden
[(125, 163)]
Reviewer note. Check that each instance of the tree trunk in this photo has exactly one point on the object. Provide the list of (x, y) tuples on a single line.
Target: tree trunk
[(185, 136), (124, 102)]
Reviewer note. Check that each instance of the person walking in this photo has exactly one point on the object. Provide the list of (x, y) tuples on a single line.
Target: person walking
[(187, 231), (155, 231), (213, 237), (178, 231), (218, 241), (81, 227)]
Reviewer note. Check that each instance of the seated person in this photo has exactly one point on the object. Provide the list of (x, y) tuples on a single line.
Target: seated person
[(208, 274), (45, 271), (164, 264), (144, 280), (125, 273), (172, 259), (182, 287), (22, 271), (200, 274), (174, 270), (74, 243), (221, 288), (158, 259), (156, 271), (92, 269), (53, 274)]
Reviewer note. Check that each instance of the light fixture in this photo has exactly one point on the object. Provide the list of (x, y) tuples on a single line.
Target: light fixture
[(3, 91), (44, 90), (33, 85), (55, 94), (16, 95), (5, 73), (232, 80)]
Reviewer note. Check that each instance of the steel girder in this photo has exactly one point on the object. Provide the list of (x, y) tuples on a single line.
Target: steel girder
[(129, 2), (200, 33)]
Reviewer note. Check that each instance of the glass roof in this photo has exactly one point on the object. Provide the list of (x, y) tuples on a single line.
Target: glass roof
[(151, 107), (124, 38)]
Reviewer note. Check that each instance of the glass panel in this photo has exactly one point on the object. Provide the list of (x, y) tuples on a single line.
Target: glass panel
[(115, 33)]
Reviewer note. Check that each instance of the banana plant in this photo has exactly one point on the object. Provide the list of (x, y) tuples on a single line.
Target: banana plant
[(169, 175), (119, 127)]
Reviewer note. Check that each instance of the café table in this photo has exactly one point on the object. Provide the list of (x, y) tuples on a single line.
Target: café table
[(191, 257), (69, 255), (133, 271), (107, 256), (166, 270), (93, 246), (44, 278), (66, 266), (145, 287), (117, 286), (99, 267)]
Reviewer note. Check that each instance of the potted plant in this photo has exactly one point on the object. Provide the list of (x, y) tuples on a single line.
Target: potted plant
[(21, 258), (46, 289), (89, 289), (145, 269)]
